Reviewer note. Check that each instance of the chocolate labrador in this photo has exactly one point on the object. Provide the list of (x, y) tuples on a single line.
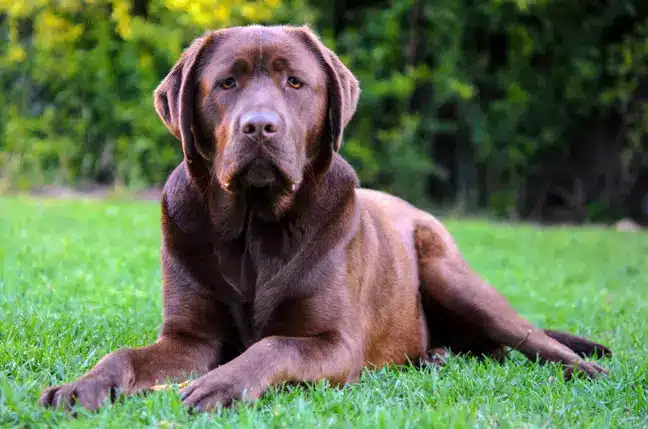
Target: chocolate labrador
[(276, 266)]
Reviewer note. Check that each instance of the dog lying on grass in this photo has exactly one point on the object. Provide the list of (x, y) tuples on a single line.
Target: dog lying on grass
[(276, 266)]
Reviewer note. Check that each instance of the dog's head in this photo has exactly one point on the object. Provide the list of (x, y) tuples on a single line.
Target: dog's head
[(265, 107)]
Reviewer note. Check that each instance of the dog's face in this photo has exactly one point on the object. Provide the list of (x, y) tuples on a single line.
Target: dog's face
[(265, 106)]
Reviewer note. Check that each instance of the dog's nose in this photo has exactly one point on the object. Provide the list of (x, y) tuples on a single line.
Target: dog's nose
[(260, 124)]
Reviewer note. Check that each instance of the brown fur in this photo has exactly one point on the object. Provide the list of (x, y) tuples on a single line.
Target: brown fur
[(305, 276)]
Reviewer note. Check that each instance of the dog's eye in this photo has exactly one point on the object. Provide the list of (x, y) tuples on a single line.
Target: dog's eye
[(294, 82), (228, 83)]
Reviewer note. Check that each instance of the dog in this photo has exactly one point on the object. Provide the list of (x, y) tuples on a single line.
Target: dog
[(277, 267)]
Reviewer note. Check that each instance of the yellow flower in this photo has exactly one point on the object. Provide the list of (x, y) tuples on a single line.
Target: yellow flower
[(16, 54), (122, 16)]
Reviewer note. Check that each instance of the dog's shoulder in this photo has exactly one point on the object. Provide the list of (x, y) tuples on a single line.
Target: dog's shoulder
[(183, 205), (382, 203)]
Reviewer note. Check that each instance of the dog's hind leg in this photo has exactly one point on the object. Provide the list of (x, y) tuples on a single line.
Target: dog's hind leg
[(448, 281), (582, 346)]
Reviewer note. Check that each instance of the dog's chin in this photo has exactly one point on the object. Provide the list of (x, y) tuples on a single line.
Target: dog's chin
[(264, 188), (268, 203)]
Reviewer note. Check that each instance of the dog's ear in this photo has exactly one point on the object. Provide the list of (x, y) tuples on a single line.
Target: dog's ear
[(343, 87), (174, 97)]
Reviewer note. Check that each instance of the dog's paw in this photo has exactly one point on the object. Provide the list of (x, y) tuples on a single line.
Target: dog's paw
[(586, 369), (437, 357), (219, 388), (90, 393)]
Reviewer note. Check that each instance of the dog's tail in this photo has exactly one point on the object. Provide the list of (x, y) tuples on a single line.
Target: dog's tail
[(579, 345)]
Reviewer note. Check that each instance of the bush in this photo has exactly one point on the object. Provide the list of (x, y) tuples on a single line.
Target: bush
[(493, 102), (531, 108)]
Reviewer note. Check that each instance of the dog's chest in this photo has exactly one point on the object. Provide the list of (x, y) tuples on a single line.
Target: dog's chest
[(246, 267), (232, 267), (264, 272)]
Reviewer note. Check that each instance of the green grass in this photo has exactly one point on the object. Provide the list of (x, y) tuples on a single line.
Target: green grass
[(80, 279)]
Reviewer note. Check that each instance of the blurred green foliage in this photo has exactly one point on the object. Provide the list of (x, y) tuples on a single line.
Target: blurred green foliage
[(77, 80), (481, 103)]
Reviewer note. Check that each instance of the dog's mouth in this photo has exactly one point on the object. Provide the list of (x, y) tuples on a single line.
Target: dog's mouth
[(261, 176)]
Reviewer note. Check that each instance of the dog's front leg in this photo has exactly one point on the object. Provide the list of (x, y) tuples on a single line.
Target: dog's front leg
[(127, 371), (190, 342), (273, 361)]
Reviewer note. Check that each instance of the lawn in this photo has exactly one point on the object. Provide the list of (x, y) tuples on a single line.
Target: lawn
[(80, 279)]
